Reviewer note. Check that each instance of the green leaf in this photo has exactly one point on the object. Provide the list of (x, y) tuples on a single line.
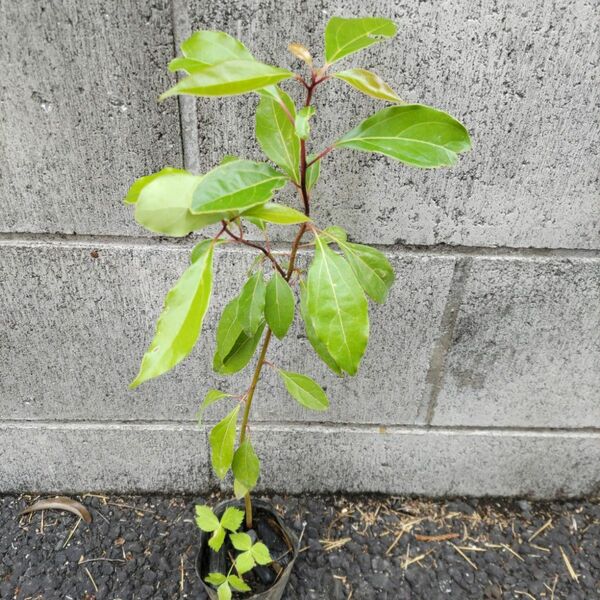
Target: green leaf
[(238, 584), (279, 305), (336, 232), (244, 562), (301, 122), (235, 187), (239, 491), (246, 466), (206, 518), (215, 578), (304, 389), (163, 204), (217, 538), (251, 303), (276, 213), (222, 440), (346, 36), (261, 554), (368, 83), (241, 541), (229, 327), (338, 307), (228, 158), (228, 78), (414, 134), (318, 346), (240, 354), (139, 184), (211, 397), (208, 48), (224, 592), (179, 324), (372, 269), (313, 172), (232, 518), (276, 134)]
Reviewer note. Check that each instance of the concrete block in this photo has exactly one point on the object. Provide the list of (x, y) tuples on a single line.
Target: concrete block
[(432, 462), (73, 329), (79, 119), (525, 349), (522, 77), (173, 458), (76, 458)]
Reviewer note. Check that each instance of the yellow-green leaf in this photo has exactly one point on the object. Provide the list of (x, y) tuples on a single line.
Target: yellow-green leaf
[(224, 592), (180, 322), (301, 123), (240, 354), (251, 302), (228, 78), (276, 134), (232, 518), (276, 213), (238, 584), (236, 187), (346, 36), (305, 390), (338, 307), (414, 134), (222, 441), (211, 397), (206, 518), (261, 554), (246, 466), (279, 305), (313, 172), (241, 541), (369, 83), (139, 184)]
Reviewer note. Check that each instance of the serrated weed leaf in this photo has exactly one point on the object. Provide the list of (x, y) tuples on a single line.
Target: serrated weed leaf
[(206, 519), (244, 562), (215, 578), (232, 518), (238, 584), (217, 538), (261, 554), (241, 541)]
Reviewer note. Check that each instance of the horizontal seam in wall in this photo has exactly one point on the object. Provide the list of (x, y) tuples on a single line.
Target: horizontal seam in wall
[(304, 426), (437, 250)]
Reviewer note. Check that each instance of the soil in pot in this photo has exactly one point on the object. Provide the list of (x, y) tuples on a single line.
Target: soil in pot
[(268, 528)]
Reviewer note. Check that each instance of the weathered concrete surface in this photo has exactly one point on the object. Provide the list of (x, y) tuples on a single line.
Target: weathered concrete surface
[(79, 119), (171, 457), (73, 329), (526, 346), (522, 76)]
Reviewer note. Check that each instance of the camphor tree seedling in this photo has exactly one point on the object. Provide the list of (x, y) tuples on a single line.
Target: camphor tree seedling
[(332, 292)]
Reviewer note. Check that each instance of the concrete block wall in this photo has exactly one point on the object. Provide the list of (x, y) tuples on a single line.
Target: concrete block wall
[(483, 371)]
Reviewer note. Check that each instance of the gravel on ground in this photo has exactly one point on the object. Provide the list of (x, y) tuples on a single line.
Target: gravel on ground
[(352, 547)]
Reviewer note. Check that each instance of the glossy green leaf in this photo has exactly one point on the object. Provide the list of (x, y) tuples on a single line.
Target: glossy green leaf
[(372, 269), (318, 346), (313, 172), (338, 307), (369, 83), (229, 327), (251, 302), (244, 562), (163, 204), (414, 134), (206, 518), (211, 397), (246, 466), (215, 578), (345, 36), (217, 538), (301, 122), (261, 554), (232, 518), (279, 305), (208, 48), (276, 213), (180, 322), (305, 390), (228, 78), (222, 441), (336, 232), (276, 134), (241, 541), (238, 584), (224, 592), (240, 354), (235, 187)]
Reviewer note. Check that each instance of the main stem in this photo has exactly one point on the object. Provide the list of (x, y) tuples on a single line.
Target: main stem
[(268, 334)]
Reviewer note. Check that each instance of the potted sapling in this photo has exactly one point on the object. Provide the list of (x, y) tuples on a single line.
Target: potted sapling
[(246, 550)]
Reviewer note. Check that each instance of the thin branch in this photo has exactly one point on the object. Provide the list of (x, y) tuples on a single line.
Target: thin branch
[(266, 252), (320, 155)]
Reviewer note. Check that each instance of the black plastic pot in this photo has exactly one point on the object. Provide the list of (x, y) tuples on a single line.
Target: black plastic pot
[(275, 592)]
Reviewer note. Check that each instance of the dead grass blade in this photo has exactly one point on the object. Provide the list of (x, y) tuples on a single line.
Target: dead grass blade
[(329, 545), (569, 566), (60, 503), (443, 537), (540, 530), (467, 559)]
